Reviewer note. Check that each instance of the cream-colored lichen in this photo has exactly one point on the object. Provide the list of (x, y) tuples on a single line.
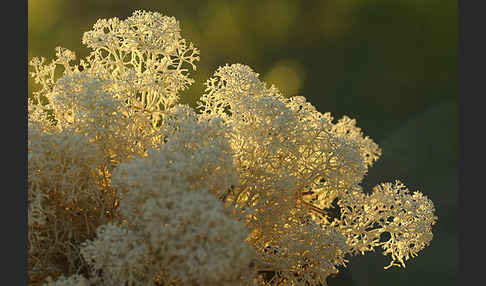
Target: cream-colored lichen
[(128, 187)]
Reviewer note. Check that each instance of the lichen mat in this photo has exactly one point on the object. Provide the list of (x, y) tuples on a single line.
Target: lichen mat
[(126, 186)]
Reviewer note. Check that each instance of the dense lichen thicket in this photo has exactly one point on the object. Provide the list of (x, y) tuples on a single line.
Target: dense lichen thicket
[(126, 186)]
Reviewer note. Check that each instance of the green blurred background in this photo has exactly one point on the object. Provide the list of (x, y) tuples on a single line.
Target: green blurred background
[(391, 64)]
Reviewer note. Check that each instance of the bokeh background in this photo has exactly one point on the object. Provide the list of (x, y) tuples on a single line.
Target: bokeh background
[(392, 65)]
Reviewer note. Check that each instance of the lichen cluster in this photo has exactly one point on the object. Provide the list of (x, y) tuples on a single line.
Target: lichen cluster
[(126, 186)]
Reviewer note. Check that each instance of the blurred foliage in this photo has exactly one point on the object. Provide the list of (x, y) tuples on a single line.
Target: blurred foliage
[(392, 65)]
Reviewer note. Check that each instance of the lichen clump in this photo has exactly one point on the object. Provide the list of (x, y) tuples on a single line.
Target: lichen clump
[(128, 187)]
